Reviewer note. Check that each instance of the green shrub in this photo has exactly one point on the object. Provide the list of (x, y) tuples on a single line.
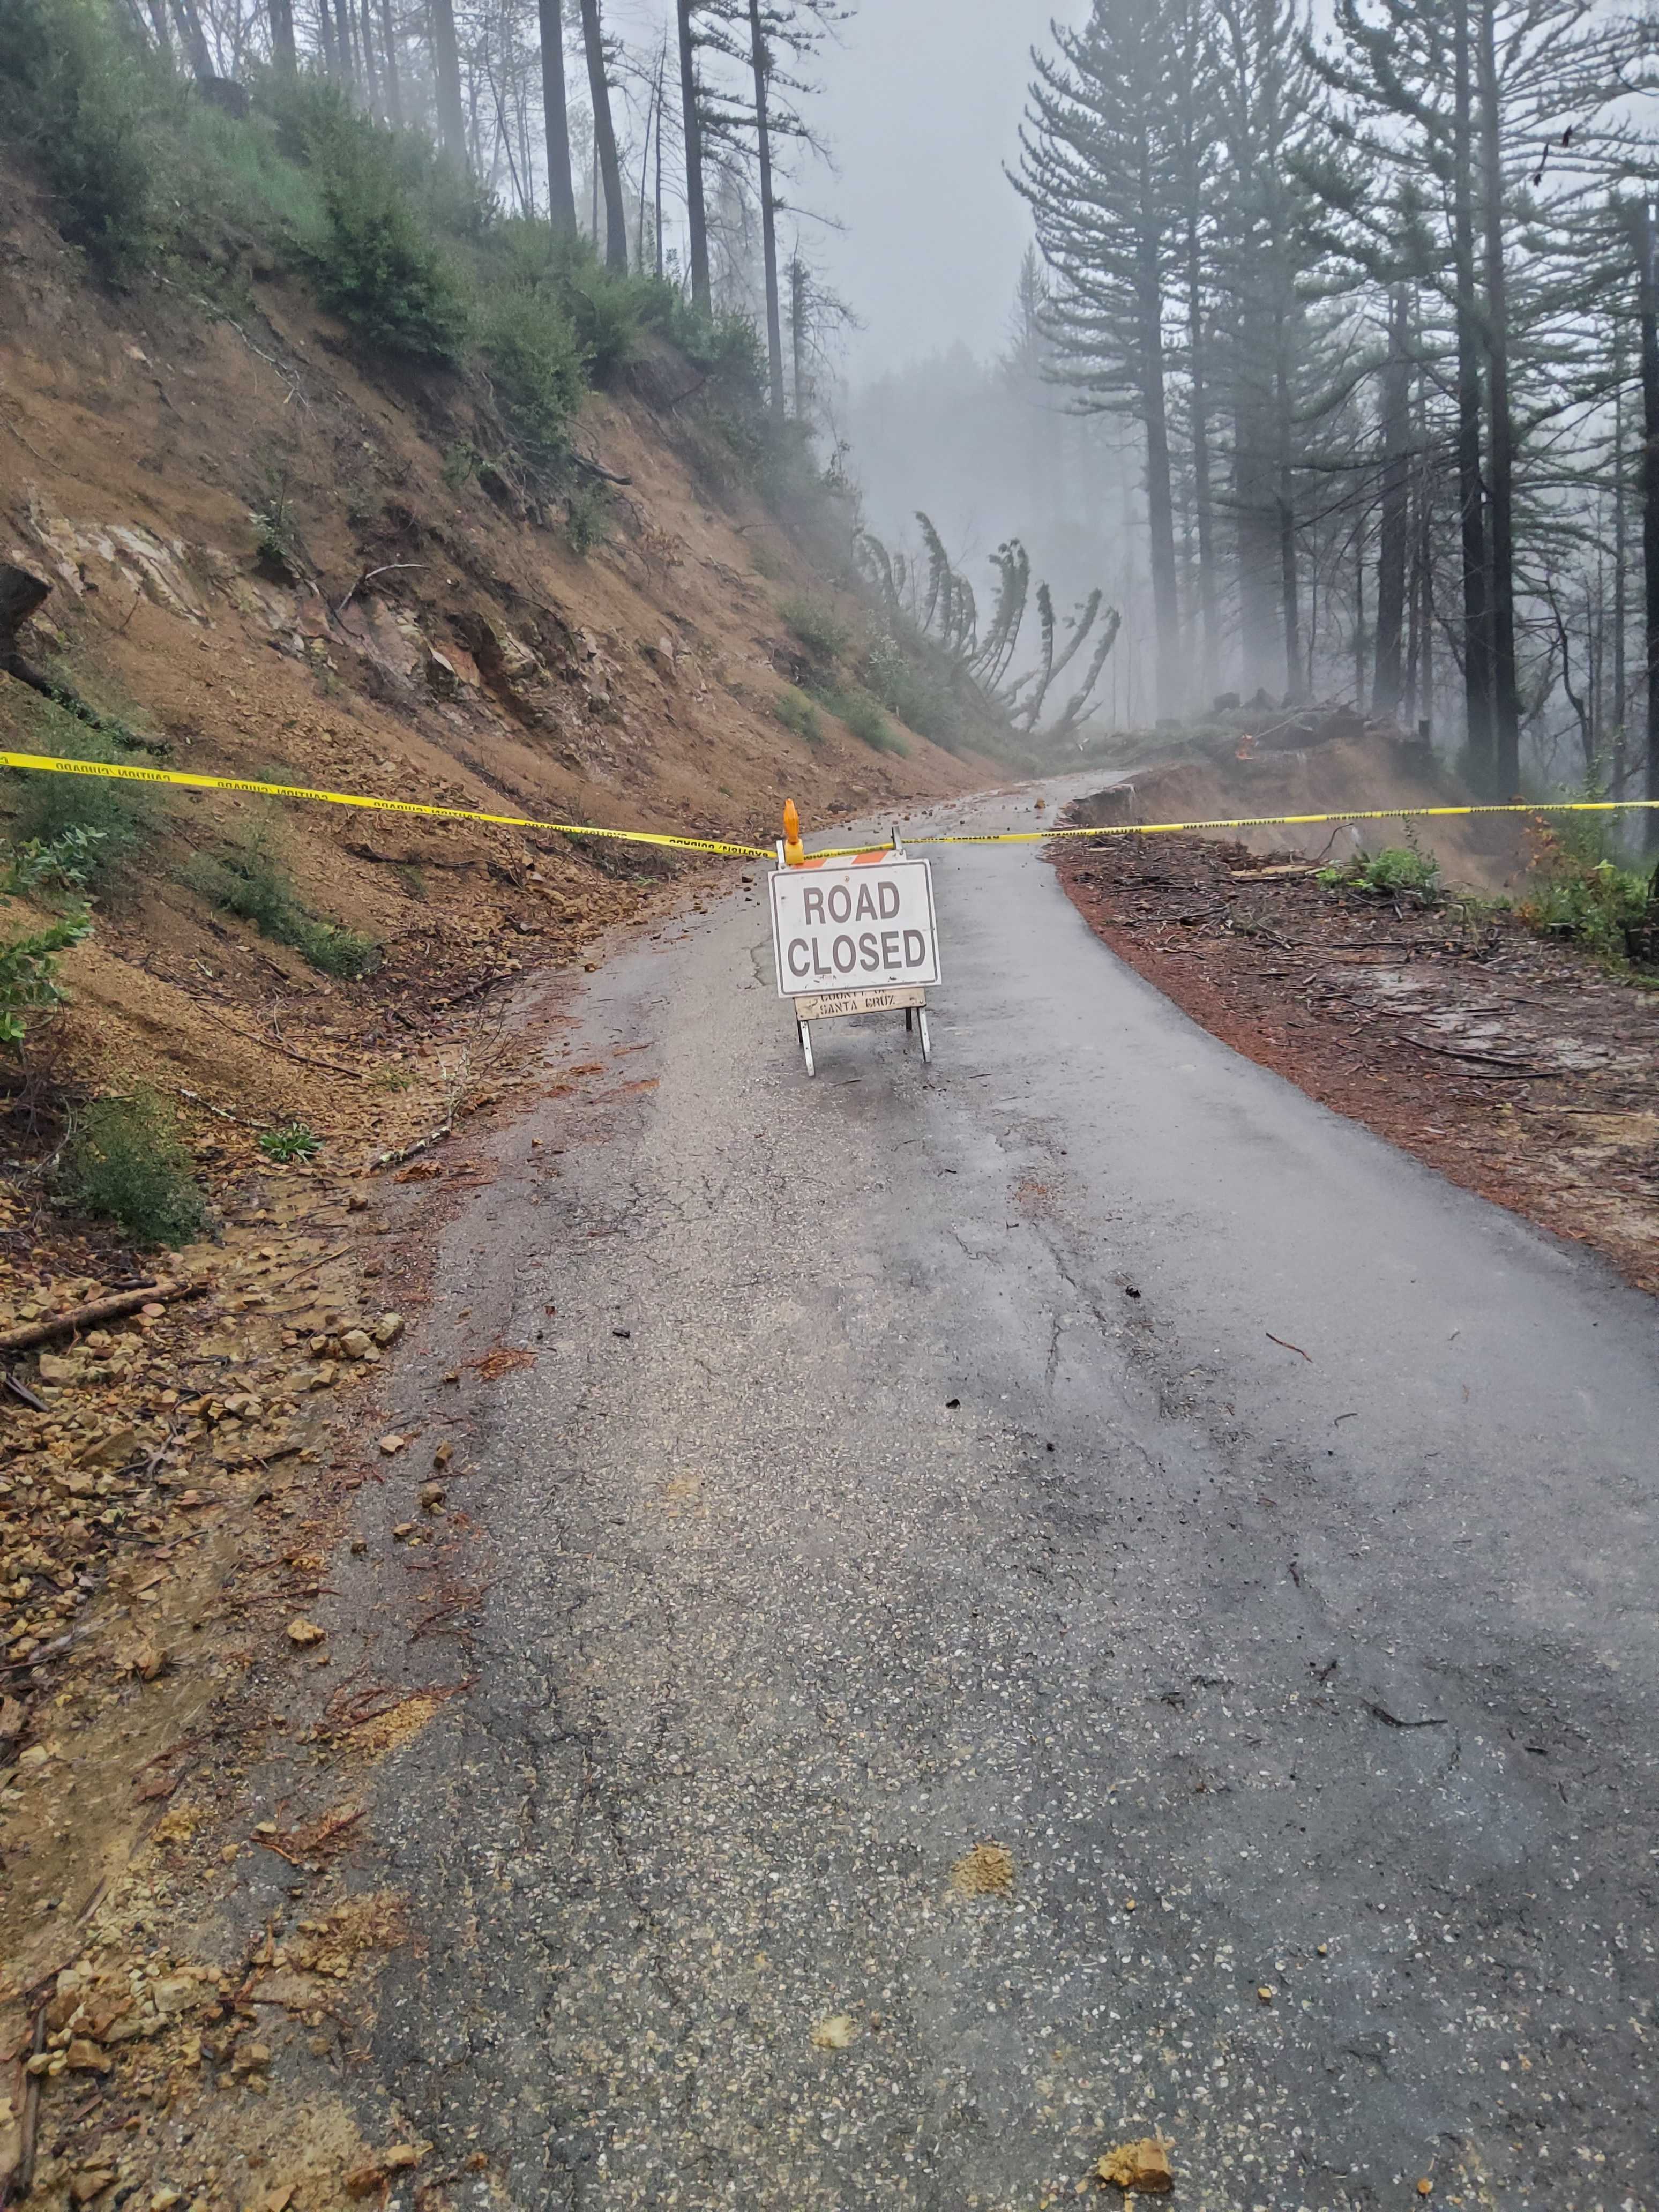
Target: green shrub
[(862, 717), (1577, 891), (916, 694), (587, 518), (115, 819), (28, 972), (537, 369), (293, 1141), (335, 950), (605, 312), (252, 883), (866, 720), (89, 102), (68, 862), (606, 321), (374, 265), (797, 713), (125, 1164), (817, 628), (234, 170), (1397, 872)]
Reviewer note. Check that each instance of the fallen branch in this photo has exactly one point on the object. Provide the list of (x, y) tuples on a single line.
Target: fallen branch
[(275, 1044), (368, 576), (98, 1310), (1486, 1059), (1285, 1344), (22, 2182), (402, 1152), (208, 1106), (597, 469)]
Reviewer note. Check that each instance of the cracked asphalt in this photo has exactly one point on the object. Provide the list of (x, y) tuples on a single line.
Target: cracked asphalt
[(909, 1464)]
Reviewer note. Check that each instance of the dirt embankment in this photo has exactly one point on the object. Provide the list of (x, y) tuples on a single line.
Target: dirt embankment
[(403, 622), (1483, 852), (1517, 1067)]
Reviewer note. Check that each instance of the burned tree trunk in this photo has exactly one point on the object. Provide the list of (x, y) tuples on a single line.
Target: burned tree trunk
[(561, 197), (22, 594), (1386, 681), (760, 64), (1476, 620), (697, 225), (1647, 268), (608, 165)]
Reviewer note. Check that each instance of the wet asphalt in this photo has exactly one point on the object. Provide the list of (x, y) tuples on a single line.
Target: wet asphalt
[(1086, 1445)]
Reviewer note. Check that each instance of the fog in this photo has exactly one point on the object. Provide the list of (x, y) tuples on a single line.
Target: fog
[(922, 100)]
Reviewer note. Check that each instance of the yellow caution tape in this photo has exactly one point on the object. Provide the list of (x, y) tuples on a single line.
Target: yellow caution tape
[(123, 772), (1264, 822)]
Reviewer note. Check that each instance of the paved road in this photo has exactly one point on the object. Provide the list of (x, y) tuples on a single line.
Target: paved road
[(910, 1465)]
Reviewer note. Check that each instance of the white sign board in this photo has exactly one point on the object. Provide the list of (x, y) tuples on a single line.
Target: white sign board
[(854, 925)]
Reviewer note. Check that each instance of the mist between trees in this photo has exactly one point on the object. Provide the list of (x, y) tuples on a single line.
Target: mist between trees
[(672, 158), (1377, 303), (1335, 364)]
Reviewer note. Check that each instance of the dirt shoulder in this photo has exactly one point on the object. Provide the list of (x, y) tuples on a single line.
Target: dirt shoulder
[(183, 1770), (1515, 1067)]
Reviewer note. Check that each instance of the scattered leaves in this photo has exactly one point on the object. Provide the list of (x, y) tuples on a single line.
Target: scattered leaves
[(501, 1361)]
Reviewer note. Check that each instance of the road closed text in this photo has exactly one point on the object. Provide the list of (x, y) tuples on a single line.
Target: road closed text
[(865, 923)]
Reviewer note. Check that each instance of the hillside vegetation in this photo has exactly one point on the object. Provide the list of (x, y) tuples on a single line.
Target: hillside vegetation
[(341, 477)]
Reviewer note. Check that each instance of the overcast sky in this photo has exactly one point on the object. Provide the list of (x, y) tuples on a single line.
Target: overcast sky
[(920, 102), (923, 101)]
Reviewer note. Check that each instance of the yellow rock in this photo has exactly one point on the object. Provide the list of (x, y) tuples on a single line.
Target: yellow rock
[(1143, 2166)]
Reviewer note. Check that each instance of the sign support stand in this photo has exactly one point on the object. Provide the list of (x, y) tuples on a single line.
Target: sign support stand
[(819, 913)]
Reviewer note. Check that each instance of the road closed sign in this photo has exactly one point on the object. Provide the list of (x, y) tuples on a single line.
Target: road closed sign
[(854, 925)]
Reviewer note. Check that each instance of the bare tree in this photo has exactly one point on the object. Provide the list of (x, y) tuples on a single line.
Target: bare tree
[(604, 139)]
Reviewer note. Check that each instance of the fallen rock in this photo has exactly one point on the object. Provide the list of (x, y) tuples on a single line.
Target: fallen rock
[(366, 2180), (357, 1344), (392, 1445), (91, 2182), (302, 1633), (84, 2057), (986, 1871), (111, 1450), (1143, 2166), (388, 1328)]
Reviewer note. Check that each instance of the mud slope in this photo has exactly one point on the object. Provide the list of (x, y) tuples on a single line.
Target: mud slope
[(431, 634)]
